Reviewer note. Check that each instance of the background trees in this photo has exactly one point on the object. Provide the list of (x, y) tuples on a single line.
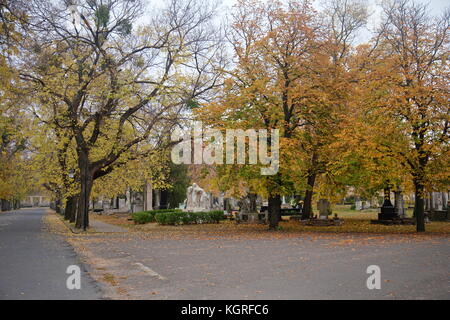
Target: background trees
[(408, 80), (14, 178), (105, 87)]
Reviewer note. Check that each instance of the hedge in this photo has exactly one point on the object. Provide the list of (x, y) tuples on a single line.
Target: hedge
[(149, 216), (175, 218), (143, 217)]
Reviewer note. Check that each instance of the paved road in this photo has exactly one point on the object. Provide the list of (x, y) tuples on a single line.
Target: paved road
[(304, 267), (33, 262)]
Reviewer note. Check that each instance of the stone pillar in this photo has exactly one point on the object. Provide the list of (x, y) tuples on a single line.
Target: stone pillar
[(157, 198), (427, 202), (128, 200), (148, 196), (399, 203)]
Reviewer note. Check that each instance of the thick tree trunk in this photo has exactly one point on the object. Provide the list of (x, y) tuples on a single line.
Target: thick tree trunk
[(419, 206), (307, 206), (58, 202), (274, 211), (71, 207), (86, 181)]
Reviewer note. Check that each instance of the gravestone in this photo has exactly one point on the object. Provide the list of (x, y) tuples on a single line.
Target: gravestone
[(387, 210), (324, 207), (399, 203), (358, 205), (122, 203)]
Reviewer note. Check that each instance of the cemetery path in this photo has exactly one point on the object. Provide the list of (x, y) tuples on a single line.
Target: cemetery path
[(100, 226), (303, 267), (33, 261)]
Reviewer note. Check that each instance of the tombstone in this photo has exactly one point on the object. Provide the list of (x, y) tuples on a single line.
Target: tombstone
[(387, 210), (439, 202), (324, 207), (374, 202), (137, 202), (399, 203), (358, 205), (122, 203), (446, 200), (106, 204)]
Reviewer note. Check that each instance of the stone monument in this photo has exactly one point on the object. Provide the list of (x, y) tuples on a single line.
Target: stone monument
[(324, 207), (198, 200)]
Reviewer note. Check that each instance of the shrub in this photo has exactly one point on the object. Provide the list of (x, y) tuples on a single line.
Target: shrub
[(165, 210), (179, 217), (143, 217), (216, 216)]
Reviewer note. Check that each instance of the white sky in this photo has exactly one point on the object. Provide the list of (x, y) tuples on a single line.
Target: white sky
[(436, 8)]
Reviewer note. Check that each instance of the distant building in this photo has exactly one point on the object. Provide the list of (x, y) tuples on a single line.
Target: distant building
[(35, 200)]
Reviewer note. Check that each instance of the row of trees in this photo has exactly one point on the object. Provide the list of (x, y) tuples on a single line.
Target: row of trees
[(90, 92), (105, 93), (367, 116)]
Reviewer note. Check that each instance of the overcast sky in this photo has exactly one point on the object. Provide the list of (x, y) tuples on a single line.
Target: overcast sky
[(436, 7)]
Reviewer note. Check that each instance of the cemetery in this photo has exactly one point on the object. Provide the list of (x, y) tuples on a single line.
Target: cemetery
[(201, 207), (148, 144)]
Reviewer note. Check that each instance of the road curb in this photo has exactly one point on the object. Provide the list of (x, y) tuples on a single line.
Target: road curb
[(65, 223)]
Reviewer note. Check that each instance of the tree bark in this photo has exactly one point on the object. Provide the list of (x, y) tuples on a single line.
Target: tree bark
[(307, 206), (71, 208), (58, 203), (274, 211), (419, 206), (86, 182)]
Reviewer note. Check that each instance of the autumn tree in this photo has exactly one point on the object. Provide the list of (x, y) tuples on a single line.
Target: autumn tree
[(13, 141), (273, 43), (117, 89), (407, 76), (326, 95)]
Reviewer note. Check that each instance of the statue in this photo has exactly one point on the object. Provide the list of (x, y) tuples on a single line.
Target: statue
[(197, 199)]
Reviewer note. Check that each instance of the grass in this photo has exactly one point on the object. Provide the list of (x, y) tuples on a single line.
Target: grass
[(354, 222)]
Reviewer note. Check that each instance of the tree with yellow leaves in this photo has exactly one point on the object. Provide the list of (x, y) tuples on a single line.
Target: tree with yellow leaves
[(407, 101), (115, 91)]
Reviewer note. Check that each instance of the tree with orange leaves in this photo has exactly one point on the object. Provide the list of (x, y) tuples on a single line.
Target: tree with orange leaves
[(406, 80)]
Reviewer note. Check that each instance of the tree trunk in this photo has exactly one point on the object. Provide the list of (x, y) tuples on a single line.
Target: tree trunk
[(71, 207), (86, 181), (307, 206), (274, 211), (58, 203), (419, 206)]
